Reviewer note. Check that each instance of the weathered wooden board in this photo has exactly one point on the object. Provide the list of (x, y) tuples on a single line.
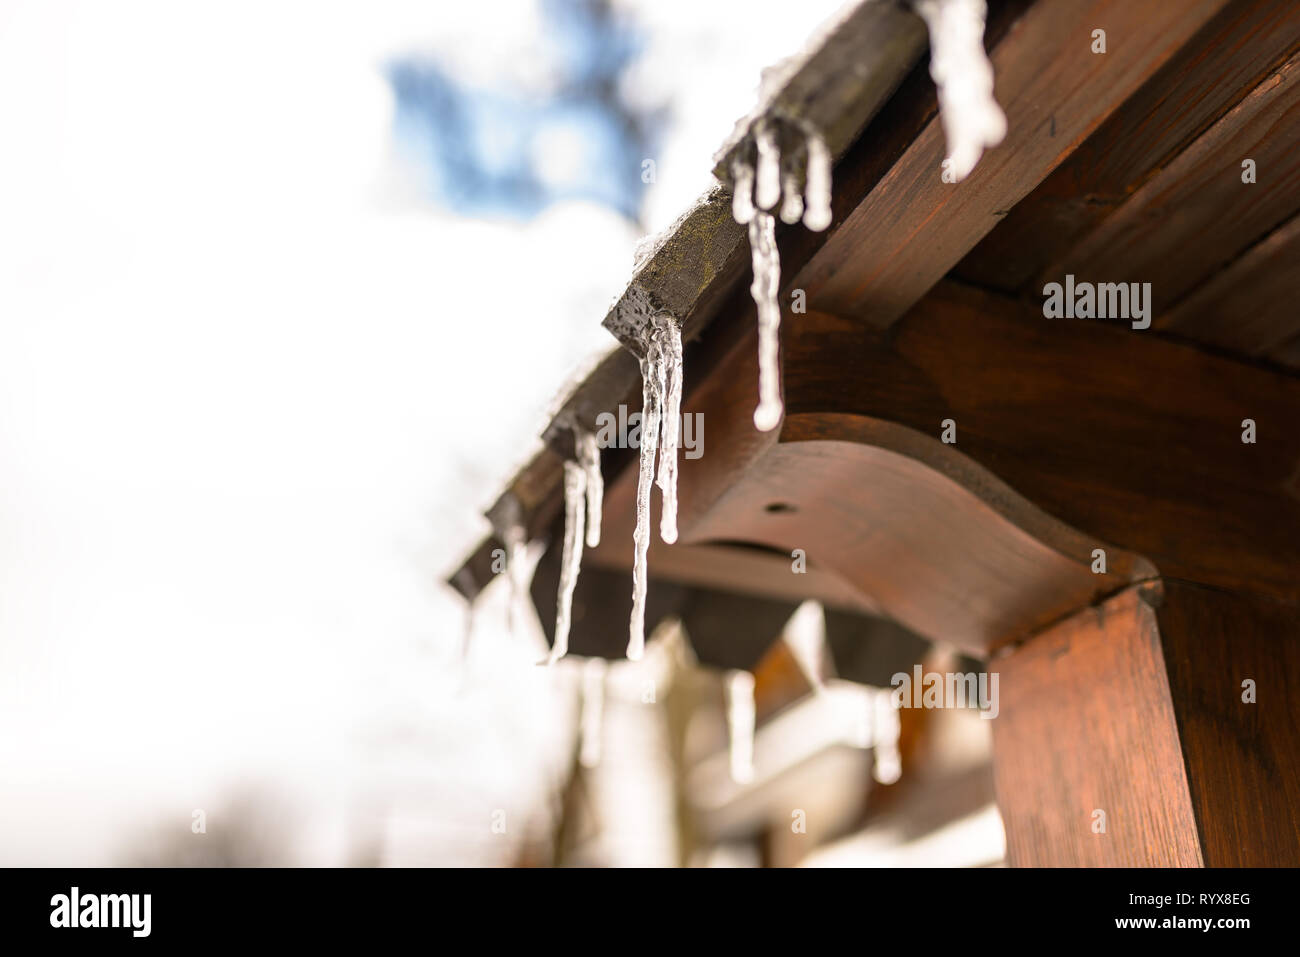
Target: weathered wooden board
[(1249, 307), (1086, 725), (1241, 756), (1218, 66), (1195, 215), (912, 228), (936, 541), (1133, 438)]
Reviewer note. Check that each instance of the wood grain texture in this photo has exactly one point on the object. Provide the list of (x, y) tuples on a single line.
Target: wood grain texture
[(935, 555), (1133, 438), (1241, 758), (1217, 67), (740, 568), (1086, 723), (1249, 306), (1195, 215), (935, 540), (1288, 353), (912, 228), (1061, 427)]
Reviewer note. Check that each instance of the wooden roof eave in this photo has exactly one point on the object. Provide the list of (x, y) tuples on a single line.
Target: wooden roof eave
[(837, 83)]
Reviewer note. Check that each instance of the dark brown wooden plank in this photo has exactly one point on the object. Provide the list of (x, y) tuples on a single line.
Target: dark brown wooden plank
[(882, 507), (1133, 438), (1249, 307), (1086, 724), (602, 602), (1288, 353), (913, 228), (1196, 215), (1215, 70), (738, 568), (1240, 756)]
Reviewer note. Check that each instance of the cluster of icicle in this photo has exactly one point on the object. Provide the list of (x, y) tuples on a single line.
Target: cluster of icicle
[(661, 408), (784, 165), (584, 492), (972, 119), (799, 182)]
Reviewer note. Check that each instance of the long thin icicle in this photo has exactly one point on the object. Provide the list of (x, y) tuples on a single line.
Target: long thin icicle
[(971, 118), (575, 491), (661, 401), (740, 725), (670, 429), (652, 390), (767, 282), (589, 459), (776, 186), (591, 723)]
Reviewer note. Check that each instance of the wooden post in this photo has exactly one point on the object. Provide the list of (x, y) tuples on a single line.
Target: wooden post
[(1087, 764), (1126, 735), (1233, 661)]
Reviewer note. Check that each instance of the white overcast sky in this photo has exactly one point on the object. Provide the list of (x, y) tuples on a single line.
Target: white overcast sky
[(255, 392)]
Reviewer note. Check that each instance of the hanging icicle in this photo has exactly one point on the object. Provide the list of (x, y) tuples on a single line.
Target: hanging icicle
[(765, 288), (888, 762), (767, 174), (661, 388), (591, 723), (777, 184), (583, 495), (651, 390), (507, 523), (740, 725), (589, 458), (793, 176), (670, 427), (464, 580), (971, 118), (817, 207), (742, 195), (575, 493)]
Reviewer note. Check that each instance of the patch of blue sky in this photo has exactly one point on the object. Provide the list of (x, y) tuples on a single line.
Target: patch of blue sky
[(513, 151)]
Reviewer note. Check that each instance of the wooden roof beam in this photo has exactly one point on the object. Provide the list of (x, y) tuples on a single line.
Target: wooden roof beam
[(895, 242)]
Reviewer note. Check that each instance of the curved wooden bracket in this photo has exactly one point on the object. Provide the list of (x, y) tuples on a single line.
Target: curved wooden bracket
[(938, 542), (912, 525)]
